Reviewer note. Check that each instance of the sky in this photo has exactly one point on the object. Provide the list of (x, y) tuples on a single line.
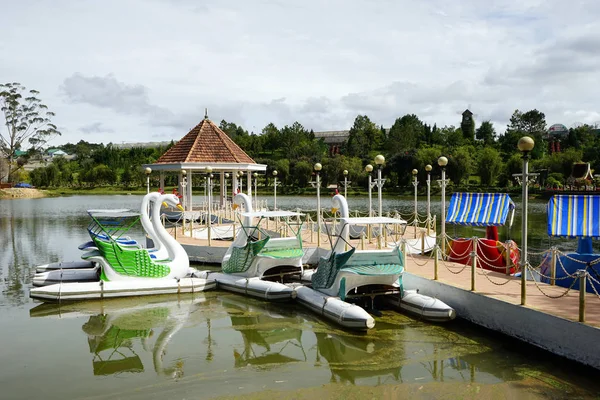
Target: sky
[(139, 71)]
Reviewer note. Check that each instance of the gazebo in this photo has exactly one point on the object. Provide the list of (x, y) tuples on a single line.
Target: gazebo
[(206, 148)]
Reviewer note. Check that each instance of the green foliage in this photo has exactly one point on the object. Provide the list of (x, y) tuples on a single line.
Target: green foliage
[(460, 164), (489, 165), (364, 136), (405, 134), (26, 118), (486, 133), (531, 123)]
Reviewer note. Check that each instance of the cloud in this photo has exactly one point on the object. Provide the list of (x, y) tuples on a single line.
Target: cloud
[(108, 92), (96, 127), (319, 63)]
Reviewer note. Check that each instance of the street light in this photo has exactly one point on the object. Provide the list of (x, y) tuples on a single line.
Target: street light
[(379, 160), (148, 171), (225, 184), (369, 169), (318, 167), (183, 189), (428, 169), (240, 175), (209, 187), (442, 162), (525, 145), (415, 184), (275, 189), (345, 183)]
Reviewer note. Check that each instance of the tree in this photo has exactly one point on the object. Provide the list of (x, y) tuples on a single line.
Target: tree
[(486, 133), (405, 134), (460, 164), (26, 119), (489, 165), (532, 123), (363, 137)]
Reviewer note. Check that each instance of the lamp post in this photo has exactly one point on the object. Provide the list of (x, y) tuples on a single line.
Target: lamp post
[(318, 167), (379, 160), (240, 175), (275, 189), (255, 194), (428, 169), (415, 184), (525, 145), (442, 162), (209, 187), (369, 169), (148, 171), (345, 183), (183, 189), (225, 183)]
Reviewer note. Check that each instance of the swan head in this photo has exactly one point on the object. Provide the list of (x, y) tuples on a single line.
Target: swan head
[(171, 200), (339, 203)]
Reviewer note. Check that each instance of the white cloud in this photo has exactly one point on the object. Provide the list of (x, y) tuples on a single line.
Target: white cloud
[(147, 69)]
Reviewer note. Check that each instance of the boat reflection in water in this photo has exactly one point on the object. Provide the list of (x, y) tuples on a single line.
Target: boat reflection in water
[(231, 345), (269, 337), (116, 325), (351, 358)]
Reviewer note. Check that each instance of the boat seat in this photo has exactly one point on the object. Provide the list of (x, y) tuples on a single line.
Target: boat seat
[(378, 269), (282, 253)]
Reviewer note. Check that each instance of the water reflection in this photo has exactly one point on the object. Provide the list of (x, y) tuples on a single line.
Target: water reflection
[(269, 338), (118, 328), (225, 341)]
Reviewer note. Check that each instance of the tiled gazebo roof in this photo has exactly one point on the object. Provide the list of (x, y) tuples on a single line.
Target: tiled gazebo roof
[(205, 143)]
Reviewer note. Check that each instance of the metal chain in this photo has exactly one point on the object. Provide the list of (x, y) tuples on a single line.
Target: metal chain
[(490, 279), (547, 295)]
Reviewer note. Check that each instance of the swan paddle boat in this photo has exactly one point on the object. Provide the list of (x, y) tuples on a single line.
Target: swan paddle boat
[(258, 263), (82, 271), (126, 271), (360, 276), (574, 216), (489, 210)]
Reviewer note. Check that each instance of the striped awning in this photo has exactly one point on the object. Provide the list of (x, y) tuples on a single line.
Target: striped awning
[(479, 209), (574, 216)]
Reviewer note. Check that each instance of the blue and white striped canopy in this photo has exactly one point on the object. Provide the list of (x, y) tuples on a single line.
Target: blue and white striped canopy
[(479, 209), (574, 216)]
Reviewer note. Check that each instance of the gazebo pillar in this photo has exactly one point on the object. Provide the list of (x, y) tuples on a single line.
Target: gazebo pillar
[(234, 183), (223, 191), (189, 190), (249, 183), (180, 187)]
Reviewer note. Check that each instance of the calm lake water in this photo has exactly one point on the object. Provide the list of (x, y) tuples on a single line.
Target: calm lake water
[(218, 344)]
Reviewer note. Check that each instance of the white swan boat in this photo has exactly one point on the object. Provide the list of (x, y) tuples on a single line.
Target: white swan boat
[(256, 261), (348, 273), (85, 271), (127, 271)]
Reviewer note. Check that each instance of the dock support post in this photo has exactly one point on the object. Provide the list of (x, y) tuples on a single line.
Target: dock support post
[(362, 240), (436, 261), (403, 249), (553, 267), (582, 283), (473, 263), (523, 283), (422, 242), (508, 246)]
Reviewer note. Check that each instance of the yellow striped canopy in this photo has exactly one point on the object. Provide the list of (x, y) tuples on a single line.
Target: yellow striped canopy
[(574, 216), (479, 209)]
